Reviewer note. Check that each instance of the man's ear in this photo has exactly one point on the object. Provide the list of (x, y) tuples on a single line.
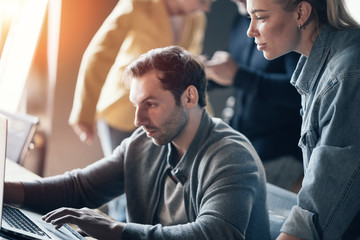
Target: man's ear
[(303, 13), (191, 96)]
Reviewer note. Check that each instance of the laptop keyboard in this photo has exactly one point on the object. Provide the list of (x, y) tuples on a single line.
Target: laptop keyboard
[(15, 218)]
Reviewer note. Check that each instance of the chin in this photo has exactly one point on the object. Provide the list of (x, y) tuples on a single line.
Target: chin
[(271, 56)]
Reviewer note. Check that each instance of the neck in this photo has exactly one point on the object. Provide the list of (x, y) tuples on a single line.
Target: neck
[(308, 38), (182, 142)]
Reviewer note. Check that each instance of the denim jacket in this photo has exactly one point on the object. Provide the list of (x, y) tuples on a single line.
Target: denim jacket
[(329, 84)]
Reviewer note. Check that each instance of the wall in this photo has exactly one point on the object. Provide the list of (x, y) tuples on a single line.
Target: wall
[(79, 21)]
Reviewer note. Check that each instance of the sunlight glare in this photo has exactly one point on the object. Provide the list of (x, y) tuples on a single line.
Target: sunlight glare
[(19, 50)]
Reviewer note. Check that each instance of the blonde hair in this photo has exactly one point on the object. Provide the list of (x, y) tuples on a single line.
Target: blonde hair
[(333, 12), (338, 15)]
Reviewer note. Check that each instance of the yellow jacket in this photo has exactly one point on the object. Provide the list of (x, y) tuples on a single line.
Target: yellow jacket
[(133, 27)]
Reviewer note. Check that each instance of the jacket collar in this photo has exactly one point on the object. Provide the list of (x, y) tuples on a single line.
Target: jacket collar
[(308, 69)]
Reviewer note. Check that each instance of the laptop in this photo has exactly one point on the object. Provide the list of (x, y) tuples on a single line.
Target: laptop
[(34, 227)]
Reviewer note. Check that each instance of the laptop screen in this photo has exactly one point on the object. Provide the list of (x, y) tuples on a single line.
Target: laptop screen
[(3, 138)]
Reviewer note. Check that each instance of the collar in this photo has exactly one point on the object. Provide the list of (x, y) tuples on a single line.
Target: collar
[(182, 170), (308, 69)]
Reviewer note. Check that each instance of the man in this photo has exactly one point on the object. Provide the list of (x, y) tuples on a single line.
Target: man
[(186, 175), (100, 100)]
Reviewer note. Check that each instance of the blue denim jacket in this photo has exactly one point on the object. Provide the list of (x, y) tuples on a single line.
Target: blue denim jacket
[(329, 84)]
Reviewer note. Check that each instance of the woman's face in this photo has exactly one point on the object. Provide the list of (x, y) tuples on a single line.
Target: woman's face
[(274, 30)]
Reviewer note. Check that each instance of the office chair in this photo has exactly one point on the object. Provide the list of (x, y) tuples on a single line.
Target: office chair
[(21, 130)]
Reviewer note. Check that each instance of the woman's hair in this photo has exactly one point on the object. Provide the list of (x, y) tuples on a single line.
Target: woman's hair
[(333, 12), (338, 15), (179, 69)]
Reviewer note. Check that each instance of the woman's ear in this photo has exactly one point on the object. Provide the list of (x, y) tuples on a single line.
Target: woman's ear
[(191, 96), (304, 10)]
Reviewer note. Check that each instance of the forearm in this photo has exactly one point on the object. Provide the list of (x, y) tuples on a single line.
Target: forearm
[(87, 187), (14, 193)]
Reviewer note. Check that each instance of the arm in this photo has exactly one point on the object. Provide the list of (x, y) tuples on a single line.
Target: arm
[(328, 200), (221, 68), (87, 187), (98, 58), (14, 193), (275, 87), (196, 33)]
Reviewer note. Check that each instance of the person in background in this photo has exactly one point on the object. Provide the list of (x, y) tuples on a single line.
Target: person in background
[(132, 28), (327, 78), (186, 175), (266, 105)]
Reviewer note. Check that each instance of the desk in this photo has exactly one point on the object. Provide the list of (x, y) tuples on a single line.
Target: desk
[(15, 172)]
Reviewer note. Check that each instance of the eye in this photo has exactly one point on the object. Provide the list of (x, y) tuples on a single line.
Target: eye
[(259, 18), (151, 104)]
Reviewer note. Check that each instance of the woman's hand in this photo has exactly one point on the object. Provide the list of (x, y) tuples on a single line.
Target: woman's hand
[(284, 236), (85, 132), (221, 68)]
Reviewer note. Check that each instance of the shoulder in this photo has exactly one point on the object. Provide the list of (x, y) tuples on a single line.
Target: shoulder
[(345, 53), (226, 145)]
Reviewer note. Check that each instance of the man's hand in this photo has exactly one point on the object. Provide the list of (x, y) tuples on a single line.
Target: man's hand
[(221, 68), (285, 236), (92, 223), (84, 131)]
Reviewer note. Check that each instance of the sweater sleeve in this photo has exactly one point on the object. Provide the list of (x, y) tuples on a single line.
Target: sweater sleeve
[(223, 197), (98, 58), (90, 187)]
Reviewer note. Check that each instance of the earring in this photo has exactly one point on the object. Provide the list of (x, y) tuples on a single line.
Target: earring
[(300, 27)]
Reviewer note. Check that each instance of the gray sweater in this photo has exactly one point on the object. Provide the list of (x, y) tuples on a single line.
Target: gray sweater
[(224, 186)]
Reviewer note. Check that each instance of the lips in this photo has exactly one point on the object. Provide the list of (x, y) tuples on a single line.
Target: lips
[(149, 132), (261, 46)]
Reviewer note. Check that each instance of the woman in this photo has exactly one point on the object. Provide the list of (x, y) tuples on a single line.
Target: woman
[(328, 79), (270, 120)]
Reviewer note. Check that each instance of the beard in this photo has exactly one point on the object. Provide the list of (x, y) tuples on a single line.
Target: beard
[(171, 127)]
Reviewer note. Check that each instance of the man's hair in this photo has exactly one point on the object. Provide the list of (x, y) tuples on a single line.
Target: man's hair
[(179, 69)]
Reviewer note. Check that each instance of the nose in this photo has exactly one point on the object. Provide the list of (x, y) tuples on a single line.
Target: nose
[(138, 117), (252, 31)]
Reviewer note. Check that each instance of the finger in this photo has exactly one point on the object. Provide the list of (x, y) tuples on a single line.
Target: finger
[(83, 136), (59, 213), (82, 233)]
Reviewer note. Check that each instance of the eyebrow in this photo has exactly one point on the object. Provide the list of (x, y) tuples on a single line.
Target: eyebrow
[(258, 10), (148, 98)]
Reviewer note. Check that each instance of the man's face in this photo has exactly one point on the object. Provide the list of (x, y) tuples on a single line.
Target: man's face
[(156, 109)]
